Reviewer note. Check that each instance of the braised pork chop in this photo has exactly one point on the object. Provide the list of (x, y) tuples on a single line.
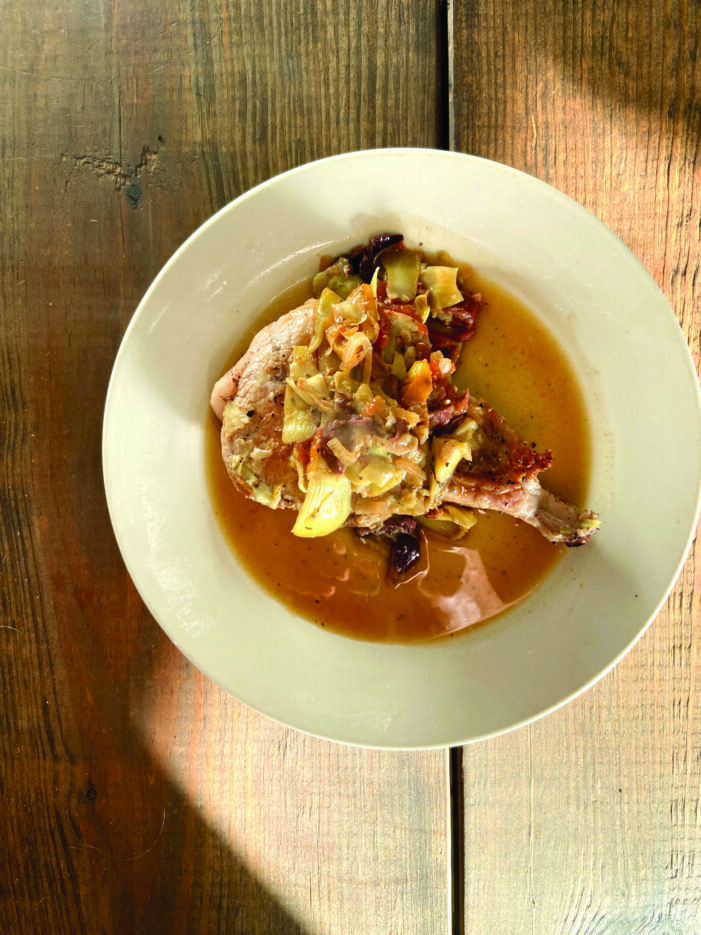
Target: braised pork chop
[(502, 474)]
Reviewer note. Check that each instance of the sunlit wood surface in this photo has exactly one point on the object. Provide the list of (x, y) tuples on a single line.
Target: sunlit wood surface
[(589, 822), (135, 796)]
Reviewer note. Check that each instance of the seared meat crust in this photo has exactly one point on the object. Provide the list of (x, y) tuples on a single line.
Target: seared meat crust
[(503, 476)]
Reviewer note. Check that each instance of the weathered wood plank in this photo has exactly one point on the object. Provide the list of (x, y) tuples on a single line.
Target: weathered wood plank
[(588, 822), (134, 795)]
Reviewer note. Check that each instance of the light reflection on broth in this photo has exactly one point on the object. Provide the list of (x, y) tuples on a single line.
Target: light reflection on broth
[(341, 581)]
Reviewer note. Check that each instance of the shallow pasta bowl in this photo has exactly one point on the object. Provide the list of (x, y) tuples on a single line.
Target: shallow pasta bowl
[(642, 396)]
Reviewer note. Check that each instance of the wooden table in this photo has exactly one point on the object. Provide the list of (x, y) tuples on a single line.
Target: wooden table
[(135, 796)]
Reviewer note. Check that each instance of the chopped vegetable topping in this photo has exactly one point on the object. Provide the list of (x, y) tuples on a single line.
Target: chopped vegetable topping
[(371, 410)]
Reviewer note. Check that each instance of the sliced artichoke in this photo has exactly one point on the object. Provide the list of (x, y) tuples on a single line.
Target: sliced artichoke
[(326, 506), (441, 282)]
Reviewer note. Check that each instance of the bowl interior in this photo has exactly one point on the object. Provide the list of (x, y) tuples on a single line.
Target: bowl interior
[(643, 400)]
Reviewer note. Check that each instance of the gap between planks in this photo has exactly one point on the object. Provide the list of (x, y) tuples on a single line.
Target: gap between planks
[(446, 72), (446, 140), (457, 840)]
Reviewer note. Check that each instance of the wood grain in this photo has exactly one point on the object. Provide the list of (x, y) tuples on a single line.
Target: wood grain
[(588, 822), (134, 795)]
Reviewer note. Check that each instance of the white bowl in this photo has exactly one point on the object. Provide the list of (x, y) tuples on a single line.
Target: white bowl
[(642, 393)]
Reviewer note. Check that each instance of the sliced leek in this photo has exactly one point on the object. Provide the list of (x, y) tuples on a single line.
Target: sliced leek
[(300, 421)]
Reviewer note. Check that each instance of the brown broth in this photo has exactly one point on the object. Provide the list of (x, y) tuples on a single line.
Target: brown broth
[(341, 582)]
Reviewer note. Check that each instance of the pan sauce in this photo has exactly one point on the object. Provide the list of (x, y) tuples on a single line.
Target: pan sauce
[(341, 582)]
